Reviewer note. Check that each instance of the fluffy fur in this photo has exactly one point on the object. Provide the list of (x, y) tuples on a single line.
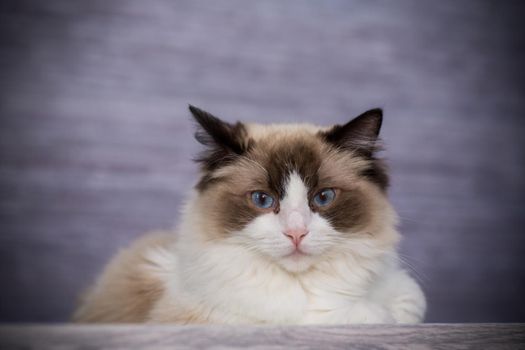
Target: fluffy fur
[(231, 262)]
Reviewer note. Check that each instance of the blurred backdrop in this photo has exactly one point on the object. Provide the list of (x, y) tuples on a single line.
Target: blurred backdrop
[(96, 141)]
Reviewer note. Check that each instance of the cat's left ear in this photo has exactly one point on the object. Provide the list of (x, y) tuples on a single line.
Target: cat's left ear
[(224, 141), (359, 135)]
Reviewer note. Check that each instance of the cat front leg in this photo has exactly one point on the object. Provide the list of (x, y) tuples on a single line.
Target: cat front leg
[(351, 312), (398, 299), (404, 298)]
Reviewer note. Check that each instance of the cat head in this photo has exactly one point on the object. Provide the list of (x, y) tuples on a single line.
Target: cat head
[(293, 193)]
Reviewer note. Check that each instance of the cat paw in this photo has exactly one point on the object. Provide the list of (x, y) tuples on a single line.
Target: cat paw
[(367, 312), (409, 309)]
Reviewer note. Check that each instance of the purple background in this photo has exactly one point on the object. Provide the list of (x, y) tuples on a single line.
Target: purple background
[(96, 141)]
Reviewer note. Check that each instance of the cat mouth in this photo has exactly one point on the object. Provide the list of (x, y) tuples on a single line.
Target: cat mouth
[(297, 253)]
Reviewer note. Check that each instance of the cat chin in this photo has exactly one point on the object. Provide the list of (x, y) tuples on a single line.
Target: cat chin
[(297, 263)]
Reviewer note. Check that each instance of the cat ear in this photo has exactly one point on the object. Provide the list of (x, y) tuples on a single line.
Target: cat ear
[(360, 134), (223, 140)]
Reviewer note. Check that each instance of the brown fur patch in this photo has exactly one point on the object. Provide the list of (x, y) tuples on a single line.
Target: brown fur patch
[(226, 198), (349, 211), (376, 172), (129, 286)]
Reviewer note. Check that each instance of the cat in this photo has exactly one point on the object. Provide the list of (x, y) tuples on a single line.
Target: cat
[(287, 224)]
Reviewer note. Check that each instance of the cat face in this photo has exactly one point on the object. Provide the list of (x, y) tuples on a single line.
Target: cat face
[(291, 193)]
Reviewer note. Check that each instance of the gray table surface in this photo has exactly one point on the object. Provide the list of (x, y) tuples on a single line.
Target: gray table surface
[(426, 336)]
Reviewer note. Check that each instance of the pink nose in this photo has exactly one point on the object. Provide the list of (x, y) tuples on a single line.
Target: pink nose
[(296, 235)]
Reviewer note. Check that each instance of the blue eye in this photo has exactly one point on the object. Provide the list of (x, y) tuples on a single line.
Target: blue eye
[(262, 200), (324, 197)]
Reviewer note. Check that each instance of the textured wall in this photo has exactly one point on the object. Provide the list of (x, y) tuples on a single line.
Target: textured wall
[(96, 142)]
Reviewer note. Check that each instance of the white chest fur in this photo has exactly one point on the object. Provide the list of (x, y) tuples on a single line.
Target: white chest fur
[(229, 286)]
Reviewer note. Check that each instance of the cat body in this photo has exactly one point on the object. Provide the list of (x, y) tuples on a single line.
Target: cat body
[(288, 224)]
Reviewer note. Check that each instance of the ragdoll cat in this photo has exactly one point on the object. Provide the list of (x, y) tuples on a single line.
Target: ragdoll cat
[(287, 224)]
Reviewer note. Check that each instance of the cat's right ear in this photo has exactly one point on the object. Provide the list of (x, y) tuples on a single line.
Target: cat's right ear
[(359, 135), (224, 141)]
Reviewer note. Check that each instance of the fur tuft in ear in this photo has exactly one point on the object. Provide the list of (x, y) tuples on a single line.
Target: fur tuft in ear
[(224, 141), (360, 134)]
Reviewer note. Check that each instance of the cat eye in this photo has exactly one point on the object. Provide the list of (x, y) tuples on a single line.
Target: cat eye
[(324, 197), (262, 200)]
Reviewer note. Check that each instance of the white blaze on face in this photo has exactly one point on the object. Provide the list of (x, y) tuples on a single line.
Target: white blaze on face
[(294, 210)]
